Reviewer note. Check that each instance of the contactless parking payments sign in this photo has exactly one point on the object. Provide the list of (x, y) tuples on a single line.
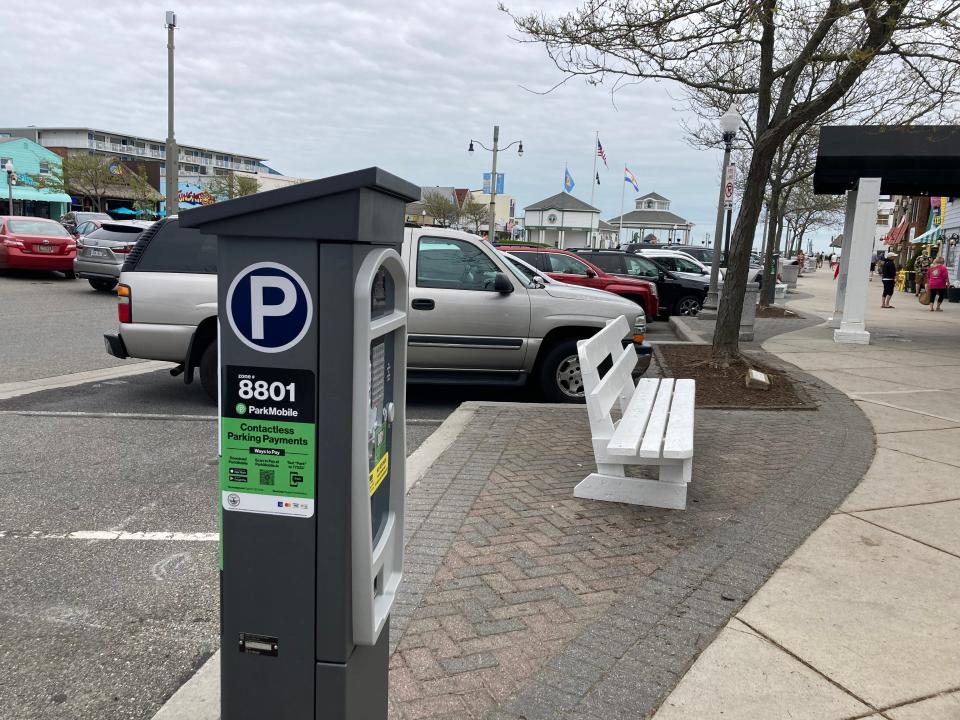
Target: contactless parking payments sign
[(269, 307)]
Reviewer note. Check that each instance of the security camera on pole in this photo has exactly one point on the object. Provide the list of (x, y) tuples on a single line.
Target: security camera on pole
[(729, 125)]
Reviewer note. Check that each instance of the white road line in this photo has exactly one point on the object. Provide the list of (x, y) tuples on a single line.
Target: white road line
[(155, 536), (26, 387), (114, 415)]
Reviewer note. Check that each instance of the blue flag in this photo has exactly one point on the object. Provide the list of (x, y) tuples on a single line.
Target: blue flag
[(567, 180)]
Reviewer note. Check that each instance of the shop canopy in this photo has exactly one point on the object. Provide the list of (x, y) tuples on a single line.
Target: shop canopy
[(896, 235), (917, 160), (26, 192), (929, 237)]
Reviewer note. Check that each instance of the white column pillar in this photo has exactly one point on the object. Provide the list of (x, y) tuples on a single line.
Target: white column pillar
[(852, 328), (834, 321)]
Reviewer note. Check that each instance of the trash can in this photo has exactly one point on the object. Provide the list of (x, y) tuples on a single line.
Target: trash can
[(789, 275), (953, 294)]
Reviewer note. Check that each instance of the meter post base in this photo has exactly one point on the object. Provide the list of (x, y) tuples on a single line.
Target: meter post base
[(356, 690)]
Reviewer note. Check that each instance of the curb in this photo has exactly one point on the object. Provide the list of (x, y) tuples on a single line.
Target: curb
[(685, 332), (8, 391), (199, 697)]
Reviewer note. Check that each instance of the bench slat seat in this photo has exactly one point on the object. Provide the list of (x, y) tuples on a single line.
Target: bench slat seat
[(655, 428)]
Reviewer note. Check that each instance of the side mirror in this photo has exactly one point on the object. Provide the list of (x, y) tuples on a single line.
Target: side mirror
[(590, 273), (502, 284)]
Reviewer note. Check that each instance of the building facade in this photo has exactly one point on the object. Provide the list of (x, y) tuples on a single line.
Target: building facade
[(32, 164), (561, 221), (652, 221), (193, 159)]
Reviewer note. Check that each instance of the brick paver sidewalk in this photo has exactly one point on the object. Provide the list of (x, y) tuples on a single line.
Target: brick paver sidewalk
[(521, 601)]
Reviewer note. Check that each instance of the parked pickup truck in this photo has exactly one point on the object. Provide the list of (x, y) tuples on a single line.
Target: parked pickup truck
[(473, 317)]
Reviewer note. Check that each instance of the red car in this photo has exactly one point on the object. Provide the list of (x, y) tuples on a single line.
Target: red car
[(570, 268), (31, 243)]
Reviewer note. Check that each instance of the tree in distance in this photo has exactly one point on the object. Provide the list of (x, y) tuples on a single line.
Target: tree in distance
[(442, 209)]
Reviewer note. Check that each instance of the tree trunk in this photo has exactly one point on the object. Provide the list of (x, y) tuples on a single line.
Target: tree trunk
[(726, 336), (771, 242)]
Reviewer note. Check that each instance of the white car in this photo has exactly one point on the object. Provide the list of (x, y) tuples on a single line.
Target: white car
[(473, 315), (679, 262)]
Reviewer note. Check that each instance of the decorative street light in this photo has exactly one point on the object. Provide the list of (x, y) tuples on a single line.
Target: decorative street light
[(492, 232), (729, 125), (11, 180)]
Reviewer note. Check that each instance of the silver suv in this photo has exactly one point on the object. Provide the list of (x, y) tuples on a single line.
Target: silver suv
[(473, 316)]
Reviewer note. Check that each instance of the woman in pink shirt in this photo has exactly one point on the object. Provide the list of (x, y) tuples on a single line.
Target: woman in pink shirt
[(937, 278)]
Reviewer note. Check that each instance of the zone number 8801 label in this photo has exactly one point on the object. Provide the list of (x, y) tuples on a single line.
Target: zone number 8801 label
[(263, 390)]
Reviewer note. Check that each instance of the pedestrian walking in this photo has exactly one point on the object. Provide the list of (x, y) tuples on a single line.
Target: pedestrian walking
[(888, 273), (920, 267), (937, 279)]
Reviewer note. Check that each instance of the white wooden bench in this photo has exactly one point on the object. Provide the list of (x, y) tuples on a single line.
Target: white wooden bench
[(656, 426)]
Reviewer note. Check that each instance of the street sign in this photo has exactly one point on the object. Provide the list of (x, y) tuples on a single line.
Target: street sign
[(269, 307), (728, 183)]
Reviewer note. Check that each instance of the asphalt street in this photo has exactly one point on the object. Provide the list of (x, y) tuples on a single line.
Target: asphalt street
[(98, 620), (52, 326)]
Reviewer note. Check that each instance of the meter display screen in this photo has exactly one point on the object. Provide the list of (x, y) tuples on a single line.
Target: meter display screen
[(381, 294), (380, 415)]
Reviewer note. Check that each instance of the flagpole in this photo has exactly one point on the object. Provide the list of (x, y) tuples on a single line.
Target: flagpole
[(593, 178), (623, 191)]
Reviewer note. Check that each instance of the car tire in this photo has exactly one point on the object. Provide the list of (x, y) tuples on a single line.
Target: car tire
[(559, 374), (102, 285), (208, 370), (69, 274), (688, 305)]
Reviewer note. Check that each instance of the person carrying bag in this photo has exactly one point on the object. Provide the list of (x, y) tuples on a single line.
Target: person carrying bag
[(937, 279)]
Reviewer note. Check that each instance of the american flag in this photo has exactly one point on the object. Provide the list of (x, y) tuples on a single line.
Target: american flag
[(601, 154)]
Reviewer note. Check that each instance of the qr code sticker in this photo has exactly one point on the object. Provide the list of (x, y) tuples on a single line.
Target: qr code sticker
[(266, 477)]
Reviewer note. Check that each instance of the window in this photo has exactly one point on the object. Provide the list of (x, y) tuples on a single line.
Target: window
[(115, 233), (532, 257), (38, 227), (687, 266), (641, 267), (565, 264), (44, 168), (180, 250), (606, 261), (454, 265)]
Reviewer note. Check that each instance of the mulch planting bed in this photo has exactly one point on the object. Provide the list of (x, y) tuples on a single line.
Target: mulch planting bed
[(725, 386), (776, 312)]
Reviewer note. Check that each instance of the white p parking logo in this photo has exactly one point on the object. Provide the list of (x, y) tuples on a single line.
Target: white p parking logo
[(269, 307)]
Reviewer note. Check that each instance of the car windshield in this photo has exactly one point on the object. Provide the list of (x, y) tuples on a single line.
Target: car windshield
[(528, 276), (38, 227)]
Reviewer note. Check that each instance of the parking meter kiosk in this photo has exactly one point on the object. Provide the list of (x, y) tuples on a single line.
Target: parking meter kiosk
[(312, 311)]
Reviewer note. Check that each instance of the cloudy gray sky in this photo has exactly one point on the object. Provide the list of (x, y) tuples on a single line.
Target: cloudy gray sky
[(320, 88)]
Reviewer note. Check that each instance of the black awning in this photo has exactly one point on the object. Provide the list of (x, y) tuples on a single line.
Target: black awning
[(919, 160)]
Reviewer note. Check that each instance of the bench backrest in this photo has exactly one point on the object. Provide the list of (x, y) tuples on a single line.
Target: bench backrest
[(617, 383)]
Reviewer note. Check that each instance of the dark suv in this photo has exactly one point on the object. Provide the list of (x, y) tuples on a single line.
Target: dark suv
[(678, 295)]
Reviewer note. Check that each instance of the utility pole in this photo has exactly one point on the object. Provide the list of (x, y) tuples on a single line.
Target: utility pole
[(173, 155), (492, 233)]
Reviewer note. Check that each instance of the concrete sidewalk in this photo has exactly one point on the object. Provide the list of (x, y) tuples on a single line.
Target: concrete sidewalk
[(863, 620)]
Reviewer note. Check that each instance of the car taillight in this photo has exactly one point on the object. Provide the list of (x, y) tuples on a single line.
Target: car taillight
[(123, 298), (124, 248), (80, 245), (11, 242)]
